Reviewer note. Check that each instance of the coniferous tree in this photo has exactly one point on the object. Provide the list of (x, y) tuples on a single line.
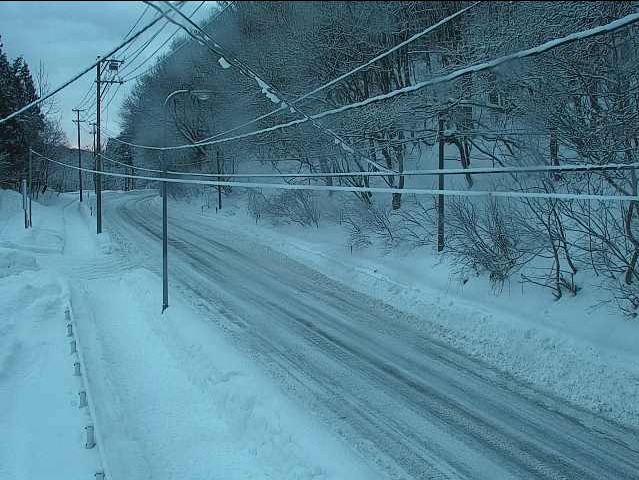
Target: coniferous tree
[(17, 89)]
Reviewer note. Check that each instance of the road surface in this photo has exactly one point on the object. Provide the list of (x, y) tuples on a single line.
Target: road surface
[(410, 406)]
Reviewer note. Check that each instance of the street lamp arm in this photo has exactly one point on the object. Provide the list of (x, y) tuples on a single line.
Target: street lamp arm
[(173, 93), (200, 94)]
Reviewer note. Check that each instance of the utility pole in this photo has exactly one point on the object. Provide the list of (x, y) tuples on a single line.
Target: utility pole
[(112, 65), (30, 188), (96, 152), (24, 202), (78, 121), (94, 175), (219, 187), (93, 133), (440, 197)]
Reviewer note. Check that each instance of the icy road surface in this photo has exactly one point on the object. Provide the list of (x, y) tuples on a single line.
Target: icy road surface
[(411, 406)]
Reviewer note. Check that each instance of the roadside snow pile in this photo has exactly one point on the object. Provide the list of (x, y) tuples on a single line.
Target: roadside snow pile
[(10, 203), (176, 401), (13, 262), (40, 422), (47, 234)]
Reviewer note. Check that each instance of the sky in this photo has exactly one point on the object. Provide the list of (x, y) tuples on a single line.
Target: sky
[(68, 36)]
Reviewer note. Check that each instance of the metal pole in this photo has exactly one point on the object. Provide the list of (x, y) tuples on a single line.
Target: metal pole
[(24, 202), (440, 197), (165, 235), (219, 187), (94, 175), (98, 158), (30, 187), (77, 121), (165, 242)]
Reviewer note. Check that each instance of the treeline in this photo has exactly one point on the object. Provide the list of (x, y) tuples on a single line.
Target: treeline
[(36, 128), (17, 88), (575, 104)]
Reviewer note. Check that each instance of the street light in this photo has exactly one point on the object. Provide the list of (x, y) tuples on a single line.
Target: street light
[(202, 95)]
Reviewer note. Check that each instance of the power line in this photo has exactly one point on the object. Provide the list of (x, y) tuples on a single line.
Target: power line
[(90, 89), (90, 109), (139, 19), (546, 46), (85, 97), (331, 188), (136, 54), (351, 72), (271, 92), (146, 9), (176, 49), (82, 73), (583, 168), (146, 44), (376, 149), (167, 40)]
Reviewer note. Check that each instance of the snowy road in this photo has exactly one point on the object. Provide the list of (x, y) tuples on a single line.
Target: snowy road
[(411, 406)]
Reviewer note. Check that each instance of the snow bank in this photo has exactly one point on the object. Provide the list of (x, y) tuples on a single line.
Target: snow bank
[(48, 232), (13, 262), (176, 401), (41, 424), (169, 398), (40, 421), (10, 203)]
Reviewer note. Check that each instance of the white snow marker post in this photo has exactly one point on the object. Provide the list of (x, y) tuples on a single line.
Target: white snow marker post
[(90, 436)]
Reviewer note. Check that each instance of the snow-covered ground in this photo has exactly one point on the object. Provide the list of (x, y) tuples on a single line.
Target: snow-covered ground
[(580, 348), (168, 397), (171, 396), (42, 428)]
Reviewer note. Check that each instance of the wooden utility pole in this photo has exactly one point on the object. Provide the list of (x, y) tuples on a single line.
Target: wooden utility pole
[(77, 122), (440, 197)]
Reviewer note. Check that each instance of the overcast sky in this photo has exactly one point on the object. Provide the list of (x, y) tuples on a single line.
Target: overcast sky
[(68, 36)]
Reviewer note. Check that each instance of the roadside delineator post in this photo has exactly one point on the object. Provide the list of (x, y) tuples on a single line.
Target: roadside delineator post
[(90, 436), (25, 203), (83, 399)]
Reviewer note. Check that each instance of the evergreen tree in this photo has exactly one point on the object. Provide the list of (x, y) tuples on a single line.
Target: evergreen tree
[(17, 89)]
